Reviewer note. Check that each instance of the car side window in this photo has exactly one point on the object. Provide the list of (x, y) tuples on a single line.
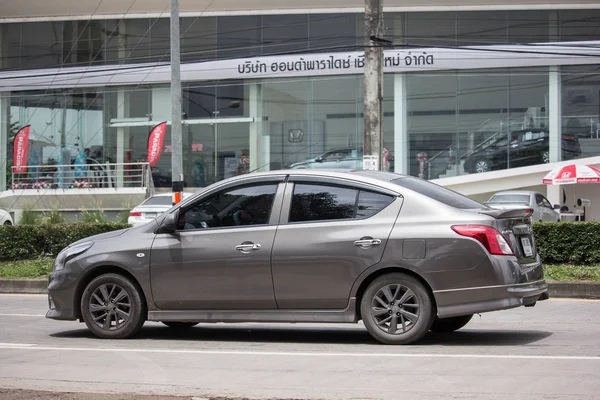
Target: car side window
[(247, 205), (539, 199), (546, 202), (370, 203), (312, 202)]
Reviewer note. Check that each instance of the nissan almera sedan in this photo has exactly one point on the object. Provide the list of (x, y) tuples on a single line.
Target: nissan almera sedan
[(401, 254)]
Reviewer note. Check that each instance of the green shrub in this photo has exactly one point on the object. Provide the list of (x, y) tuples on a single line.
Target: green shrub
[(568, 242), (23, 242), (29, 217)]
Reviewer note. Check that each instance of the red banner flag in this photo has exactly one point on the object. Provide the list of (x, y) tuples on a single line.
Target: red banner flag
[(156, 140), (21, 150)]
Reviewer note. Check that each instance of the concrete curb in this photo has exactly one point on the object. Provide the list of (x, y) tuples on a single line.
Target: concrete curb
[(575, 290), (24, 286)]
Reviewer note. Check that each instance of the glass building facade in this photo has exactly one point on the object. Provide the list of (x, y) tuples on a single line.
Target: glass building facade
[(461, 120)]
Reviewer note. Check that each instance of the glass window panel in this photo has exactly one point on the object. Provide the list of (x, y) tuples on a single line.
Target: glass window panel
[(160, 39), (284, 34), (250, 205), (431, 28), (580, 111), (579, 25), (332, 32), (238, 36), (322, 203), (42, 45), (199, 38), (370, 203), (481, 27)]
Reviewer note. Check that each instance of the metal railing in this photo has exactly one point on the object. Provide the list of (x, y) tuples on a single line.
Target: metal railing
[(83, 176)]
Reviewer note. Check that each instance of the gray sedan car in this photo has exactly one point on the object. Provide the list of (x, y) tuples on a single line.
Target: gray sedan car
[(401, 254)]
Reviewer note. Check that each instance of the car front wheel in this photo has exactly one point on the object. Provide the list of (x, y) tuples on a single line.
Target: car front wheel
[(397, 309), (482, 165), (112, 307), (446, 325)]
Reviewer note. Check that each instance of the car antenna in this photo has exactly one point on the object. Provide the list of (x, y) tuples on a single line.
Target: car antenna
[(282, 158)]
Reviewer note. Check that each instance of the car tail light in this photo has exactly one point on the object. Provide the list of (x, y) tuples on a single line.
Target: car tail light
[(135, 214), (568, 137), (489, 237)]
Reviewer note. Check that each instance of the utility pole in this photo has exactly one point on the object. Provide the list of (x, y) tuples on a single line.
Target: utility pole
[(176, 134), (373, 81)]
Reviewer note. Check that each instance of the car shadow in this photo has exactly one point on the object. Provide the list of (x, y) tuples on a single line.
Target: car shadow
[(322, 335)]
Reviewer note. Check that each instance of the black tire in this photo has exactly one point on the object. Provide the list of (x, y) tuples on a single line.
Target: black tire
[(179, 325), (7, 223), (125, 302), (447, 325), (408, 328)]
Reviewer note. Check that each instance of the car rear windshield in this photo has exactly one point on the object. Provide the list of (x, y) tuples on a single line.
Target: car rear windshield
[(439, 193), (509, 198), (159, 201)]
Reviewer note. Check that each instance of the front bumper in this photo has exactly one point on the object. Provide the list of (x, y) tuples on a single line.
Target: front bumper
[(62, 287), (518, 285)]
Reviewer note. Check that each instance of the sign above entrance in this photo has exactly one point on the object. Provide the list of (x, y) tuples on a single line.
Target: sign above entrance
[(298, 65)]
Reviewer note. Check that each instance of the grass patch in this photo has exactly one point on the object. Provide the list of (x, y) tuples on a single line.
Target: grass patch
[(569, 272), (41, 267), (26, 269)]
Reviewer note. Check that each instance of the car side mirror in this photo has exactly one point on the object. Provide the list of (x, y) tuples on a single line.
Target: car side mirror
[(557, 206), (169, 223), (319, 159)]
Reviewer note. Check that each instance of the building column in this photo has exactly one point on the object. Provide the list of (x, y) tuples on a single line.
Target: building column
[(121, 137), (555, 113), (401, 152), (4, 132), (260, 141)]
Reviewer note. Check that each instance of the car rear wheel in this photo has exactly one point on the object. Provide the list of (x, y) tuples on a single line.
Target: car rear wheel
[(112, 307), (482, 165), (397, 309), (546, 157), (446, 325), (7, 223), (179, 325)]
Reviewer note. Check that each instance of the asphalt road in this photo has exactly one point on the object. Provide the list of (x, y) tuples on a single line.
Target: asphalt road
[(551, 351)]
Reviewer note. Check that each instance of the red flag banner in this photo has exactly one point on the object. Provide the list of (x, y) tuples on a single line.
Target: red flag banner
[(21, 150), (156, 140)]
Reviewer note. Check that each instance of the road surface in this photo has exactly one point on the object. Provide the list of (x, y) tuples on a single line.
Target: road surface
[(551, 351)]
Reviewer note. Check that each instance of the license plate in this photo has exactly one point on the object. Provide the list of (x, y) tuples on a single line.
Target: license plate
[(150, 215), (527, 249)]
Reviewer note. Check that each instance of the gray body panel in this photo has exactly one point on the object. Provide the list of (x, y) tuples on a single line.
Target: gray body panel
[(310, 271)]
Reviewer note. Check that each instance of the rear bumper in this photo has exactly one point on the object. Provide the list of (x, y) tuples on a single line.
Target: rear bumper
[(457, 302)]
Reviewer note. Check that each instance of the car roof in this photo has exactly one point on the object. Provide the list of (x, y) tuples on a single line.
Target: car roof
[(380, 178), (527, 192)]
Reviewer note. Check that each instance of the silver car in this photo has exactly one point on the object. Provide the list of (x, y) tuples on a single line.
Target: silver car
[(542, 210), (401, 254)]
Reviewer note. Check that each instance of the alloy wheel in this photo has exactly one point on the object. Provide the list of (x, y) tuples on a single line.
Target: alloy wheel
[(110, 306), (395, 309), (482, 166), (546, 157)]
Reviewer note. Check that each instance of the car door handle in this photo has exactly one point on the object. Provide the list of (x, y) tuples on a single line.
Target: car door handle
[(367, 242), (248, 247)]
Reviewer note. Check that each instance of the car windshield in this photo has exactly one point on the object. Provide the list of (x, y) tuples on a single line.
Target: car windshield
[(439, 193), (509, 198), (158, 201)]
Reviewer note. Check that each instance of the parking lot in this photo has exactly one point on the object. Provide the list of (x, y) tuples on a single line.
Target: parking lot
[(551, 351)]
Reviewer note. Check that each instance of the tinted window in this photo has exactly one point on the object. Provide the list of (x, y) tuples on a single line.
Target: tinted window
[(158, 201), (438, 193), (321, 202), (249, 205), (509, 198), (370, 203), (539, 199)]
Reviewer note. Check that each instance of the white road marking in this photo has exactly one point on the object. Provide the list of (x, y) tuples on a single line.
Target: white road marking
[(22, 315), (19, 346)]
